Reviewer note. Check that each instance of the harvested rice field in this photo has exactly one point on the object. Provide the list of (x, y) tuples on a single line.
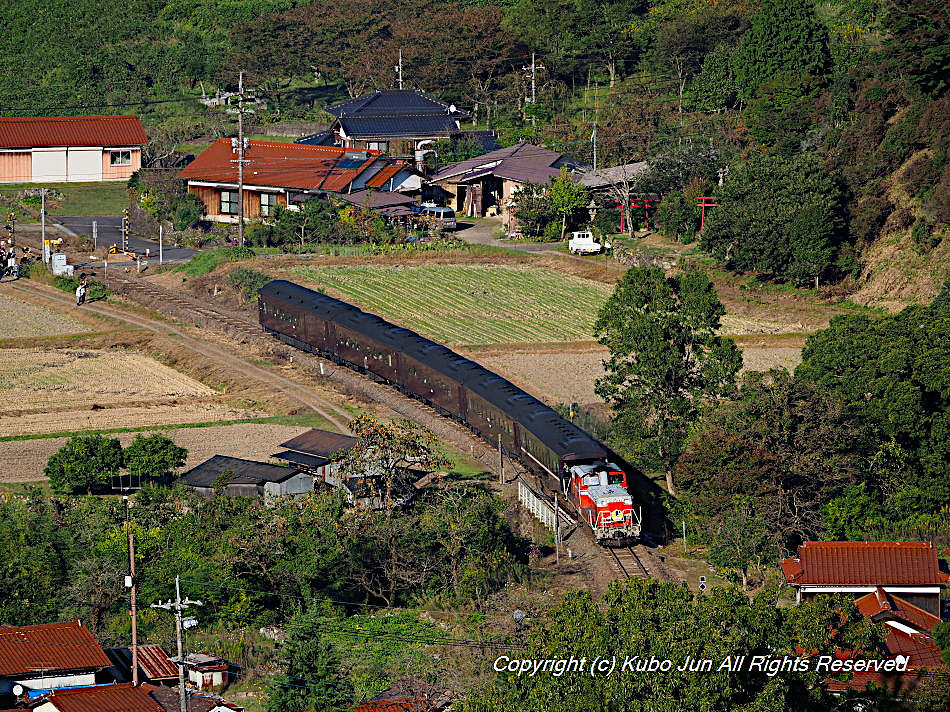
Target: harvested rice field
[(71, 389), (19, 319), (24, 460)]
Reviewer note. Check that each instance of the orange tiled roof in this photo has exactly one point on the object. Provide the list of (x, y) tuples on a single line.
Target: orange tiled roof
[(880, 602), (876, 563), (48, 131), (49, 646), (281, 165)]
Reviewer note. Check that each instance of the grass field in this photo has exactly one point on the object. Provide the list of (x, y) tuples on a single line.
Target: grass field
[(81, 198), (22, 319), (470, 304)]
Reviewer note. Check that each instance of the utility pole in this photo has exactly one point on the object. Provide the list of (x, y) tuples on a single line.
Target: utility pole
[(399, 69), (535, 67), (593, 138), (46, 250), (178, 606), (239, 146), (131, 583)]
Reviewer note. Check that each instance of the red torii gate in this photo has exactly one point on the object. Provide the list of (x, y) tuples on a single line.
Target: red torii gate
[(702, 200), (644, 203)]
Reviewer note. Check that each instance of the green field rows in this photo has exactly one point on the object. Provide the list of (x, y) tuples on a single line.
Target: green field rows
[(469, 304)]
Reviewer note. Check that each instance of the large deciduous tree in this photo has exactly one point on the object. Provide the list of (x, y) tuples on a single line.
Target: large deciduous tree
[(781, 217), (667, 363), (85, 462), (894, 374), (641, 620), (153, 457)]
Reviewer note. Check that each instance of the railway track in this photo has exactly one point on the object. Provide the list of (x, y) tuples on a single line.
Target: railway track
[(626, 562), (184, 306)]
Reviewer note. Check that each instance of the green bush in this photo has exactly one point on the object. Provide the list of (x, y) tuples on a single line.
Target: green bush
[(207, 261), (248, 281), (188, 210), (95, 289)]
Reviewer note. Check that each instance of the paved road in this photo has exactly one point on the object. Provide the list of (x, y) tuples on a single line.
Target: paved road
[(109, 229), (482, 232)]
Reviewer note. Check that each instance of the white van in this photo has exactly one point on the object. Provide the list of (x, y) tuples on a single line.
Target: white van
[(441, 217)]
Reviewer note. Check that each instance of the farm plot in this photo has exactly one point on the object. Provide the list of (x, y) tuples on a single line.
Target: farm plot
[(22, 319), (63, 390), (469, 304)]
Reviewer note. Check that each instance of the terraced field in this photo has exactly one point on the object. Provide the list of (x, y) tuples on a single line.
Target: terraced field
[(468, 304)]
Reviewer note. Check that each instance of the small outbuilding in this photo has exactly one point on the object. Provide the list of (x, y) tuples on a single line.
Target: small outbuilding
[(235, 477), (70, 149)]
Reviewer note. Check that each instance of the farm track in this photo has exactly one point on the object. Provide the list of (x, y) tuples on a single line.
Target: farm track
[(247, 330)]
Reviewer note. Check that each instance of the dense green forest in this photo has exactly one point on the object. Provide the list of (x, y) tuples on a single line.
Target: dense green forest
[(827, 123)]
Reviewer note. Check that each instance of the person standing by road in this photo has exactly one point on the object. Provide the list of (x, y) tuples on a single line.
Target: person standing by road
[(81, 293)]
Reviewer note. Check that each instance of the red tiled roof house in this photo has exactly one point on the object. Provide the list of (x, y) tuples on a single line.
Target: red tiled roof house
[(896, 584), (286, 174), (102, 698), (47, 656), (910, 570), (67, 149)]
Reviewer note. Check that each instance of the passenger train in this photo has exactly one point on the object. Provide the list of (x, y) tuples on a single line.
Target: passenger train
[(547, 444)]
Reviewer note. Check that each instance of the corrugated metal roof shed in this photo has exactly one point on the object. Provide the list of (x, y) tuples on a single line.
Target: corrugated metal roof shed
[(154, 663), (47, 131), (243, 472), (49, 647), (322, 443), (104, 698)]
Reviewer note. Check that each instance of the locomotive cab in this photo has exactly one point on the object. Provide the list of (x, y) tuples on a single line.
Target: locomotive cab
[(599, 490)]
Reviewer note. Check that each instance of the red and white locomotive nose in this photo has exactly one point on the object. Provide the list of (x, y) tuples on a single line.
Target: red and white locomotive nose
[(599, 491)]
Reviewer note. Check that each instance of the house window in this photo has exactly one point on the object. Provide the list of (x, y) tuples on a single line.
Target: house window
[(120, 158), (229, 202), (381, 146), (268, 204)]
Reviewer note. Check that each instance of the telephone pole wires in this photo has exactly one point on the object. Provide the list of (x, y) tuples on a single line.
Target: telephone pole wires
[(239, 146), (178, 606), (533, 69), (130, 583)]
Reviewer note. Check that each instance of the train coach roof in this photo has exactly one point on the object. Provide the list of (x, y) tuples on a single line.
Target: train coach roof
[(562, 436)]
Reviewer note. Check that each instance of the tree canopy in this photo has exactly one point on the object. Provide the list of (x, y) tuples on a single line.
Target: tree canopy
[(783, 217), (84, 463), (666, 361)]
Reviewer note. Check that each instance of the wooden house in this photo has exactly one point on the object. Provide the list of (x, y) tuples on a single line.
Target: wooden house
[(287, 174), (400, 122), (488, 184), (68, 149)]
